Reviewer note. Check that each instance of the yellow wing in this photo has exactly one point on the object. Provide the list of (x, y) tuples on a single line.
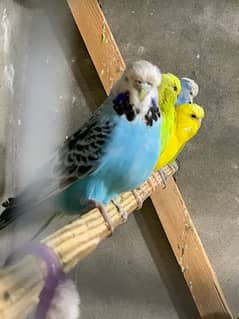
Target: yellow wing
[(186, 125), (170, 153)]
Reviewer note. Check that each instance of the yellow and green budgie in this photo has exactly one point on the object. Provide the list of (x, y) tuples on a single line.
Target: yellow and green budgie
[(168, 91), (187, 122)]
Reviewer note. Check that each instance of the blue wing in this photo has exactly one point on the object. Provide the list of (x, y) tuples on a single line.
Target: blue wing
[(76, 158)]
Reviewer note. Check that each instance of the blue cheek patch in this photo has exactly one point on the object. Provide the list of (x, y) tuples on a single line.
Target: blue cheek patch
[(154, 104), (121, 97)]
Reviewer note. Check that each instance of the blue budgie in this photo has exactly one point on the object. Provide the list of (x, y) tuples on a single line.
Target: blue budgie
[(189, 90), (114, 152)]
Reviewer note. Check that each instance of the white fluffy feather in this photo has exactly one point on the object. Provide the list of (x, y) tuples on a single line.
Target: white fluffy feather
[(149, 77), (66, 302), (144, 71)]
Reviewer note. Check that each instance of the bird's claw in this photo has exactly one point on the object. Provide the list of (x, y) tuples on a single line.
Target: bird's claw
[(164, 177), (174, 166), (122, 212), (138, 198), (104, 213), (154, 181)]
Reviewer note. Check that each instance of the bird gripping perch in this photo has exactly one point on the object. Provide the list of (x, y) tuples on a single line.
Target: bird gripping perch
[(21, 283)]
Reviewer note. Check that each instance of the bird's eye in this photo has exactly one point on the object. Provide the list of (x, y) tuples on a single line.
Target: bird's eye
[(191, 93), (193, 116), (175, 88), (149, 83)]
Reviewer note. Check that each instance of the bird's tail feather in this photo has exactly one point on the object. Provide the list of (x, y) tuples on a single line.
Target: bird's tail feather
[(8, 202), (10, 214)]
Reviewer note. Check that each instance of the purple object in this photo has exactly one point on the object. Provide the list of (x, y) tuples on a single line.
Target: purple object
[(55, 274), (120, 98)]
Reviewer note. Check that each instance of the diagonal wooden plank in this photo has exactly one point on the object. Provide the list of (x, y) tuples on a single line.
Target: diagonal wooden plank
[(99, 40), (168, 203), (189, 252)]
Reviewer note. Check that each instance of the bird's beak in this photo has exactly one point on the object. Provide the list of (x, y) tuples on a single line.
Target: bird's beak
[(199, 122), (143, 89), (141, 94)]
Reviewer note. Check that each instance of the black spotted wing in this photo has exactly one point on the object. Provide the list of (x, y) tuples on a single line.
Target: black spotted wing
[(78, 157)]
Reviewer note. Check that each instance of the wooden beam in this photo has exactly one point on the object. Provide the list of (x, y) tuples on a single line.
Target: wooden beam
[(99, 40), (189, 252), (168, 203)]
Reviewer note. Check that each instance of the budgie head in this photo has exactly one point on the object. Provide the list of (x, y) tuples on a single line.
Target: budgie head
[(168, 90), (189, 91), (188, 120), (142, 76), (139, 79)]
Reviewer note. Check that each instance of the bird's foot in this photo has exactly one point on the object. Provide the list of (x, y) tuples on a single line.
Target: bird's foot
[(94, 204), (121, 210), (138, 198), (154, 181), (164, 177), (174, 166), (178, 162)]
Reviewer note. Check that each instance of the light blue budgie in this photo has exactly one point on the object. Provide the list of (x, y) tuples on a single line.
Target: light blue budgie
[(114, 152), (189, 90)]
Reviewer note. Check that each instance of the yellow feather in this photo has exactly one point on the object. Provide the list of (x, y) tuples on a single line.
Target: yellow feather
[(187, 122), (168, 90)]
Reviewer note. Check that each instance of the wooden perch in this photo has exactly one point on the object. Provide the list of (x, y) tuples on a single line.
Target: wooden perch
[(21, 283)]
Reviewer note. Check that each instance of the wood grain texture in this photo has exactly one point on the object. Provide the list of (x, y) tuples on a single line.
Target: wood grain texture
[(99, 40), (190, 253)]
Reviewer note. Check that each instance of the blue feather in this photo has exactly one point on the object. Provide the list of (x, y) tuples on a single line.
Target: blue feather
[(186, 95), (129, 158)]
